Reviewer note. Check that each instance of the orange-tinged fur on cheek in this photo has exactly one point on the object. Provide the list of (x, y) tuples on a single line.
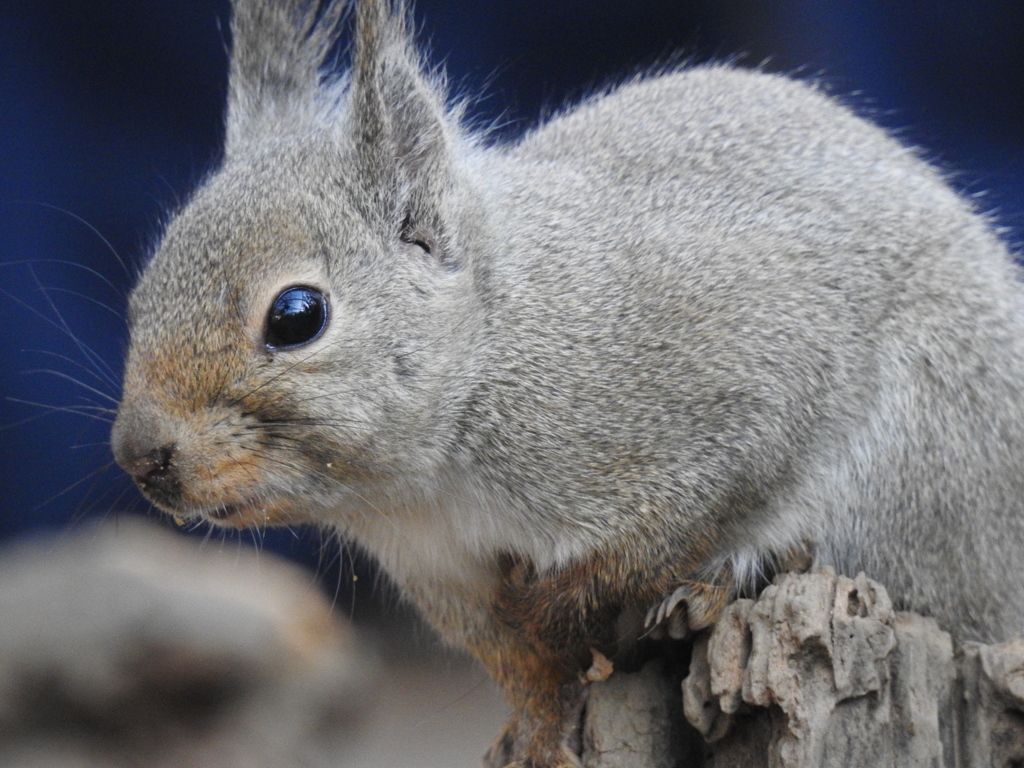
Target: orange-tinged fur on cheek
[(159, 376)]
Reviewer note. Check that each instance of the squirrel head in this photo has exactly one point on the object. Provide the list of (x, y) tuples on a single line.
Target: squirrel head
[(300, 329)]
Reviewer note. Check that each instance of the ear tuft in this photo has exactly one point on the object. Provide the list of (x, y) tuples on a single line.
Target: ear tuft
[(395, 114), (278, 48), (405, 135)]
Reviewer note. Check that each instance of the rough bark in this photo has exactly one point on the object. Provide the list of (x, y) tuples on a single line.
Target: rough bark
[(818, 671)]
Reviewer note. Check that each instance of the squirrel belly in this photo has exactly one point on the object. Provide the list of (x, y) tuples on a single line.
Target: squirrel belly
[(674, 336)]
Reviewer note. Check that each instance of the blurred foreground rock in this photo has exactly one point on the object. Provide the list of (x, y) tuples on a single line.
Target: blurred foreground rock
[(131, 646), (819, 671)]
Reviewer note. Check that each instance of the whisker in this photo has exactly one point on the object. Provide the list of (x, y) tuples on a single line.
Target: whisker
[(312, 422), (69, 360), (67, 263), (209, 531), (457, 327), (116, 313), (129, 489), (256, 541), (62, 375), (84, 348), (58, 409), (28, 419), (295, 444), (333, 481), (90, 406), (89, 355), (75, 484), (270, 381), (76, 217), (113, 507)]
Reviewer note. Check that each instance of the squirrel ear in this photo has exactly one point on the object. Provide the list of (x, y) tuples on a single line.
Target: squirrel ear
[(277, 50), (404, 133)]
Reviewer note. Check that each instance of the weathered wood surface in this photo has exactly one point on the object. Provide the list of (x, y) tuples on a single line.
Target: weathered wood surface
[(818, 671)]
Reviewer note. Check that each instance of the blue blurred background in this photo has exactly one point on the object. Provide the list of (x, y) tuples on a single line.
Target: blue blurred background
[(110, 111)]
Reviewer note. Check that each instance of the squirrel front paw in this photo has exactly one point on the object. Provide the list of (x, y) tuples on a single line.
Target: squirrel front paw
[(691, 607)]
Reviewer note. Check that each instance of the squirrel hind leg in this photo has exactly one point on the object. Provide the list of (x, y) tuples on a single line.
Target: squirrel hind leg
[(569, 760), (500, 753), (544, 743), (504, 753)]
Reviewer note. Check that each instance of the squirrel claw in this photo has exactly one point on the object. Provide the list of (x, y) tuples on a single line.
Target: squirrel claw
[(663, 619), (659, 613), (691, 607)]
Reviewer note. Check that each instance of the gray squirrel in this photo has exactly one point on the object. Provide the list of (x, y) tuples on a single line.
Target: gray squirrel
[(660, 343)]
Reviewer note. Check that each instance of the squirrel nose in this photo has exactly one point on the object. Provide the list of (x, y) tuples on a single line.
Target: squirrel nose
[(153, 467), (155, 473), (142, 442), (142, 448)]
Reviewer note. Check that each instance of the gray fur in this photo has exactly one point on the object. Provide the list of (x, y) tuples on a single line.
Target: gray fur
[(710, 305)]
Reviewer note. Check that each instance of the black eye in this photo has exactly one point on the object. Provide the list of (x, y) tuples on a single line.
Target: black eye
[(297, 316)]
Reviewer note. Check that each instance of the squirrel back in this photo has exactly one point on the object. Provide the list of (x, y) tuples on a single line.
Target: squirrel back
[(673, 332), (769, 322)]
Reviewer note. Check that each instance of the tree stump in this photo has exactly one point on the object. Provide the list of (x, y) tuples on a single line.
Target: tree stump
[(819, 671)]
